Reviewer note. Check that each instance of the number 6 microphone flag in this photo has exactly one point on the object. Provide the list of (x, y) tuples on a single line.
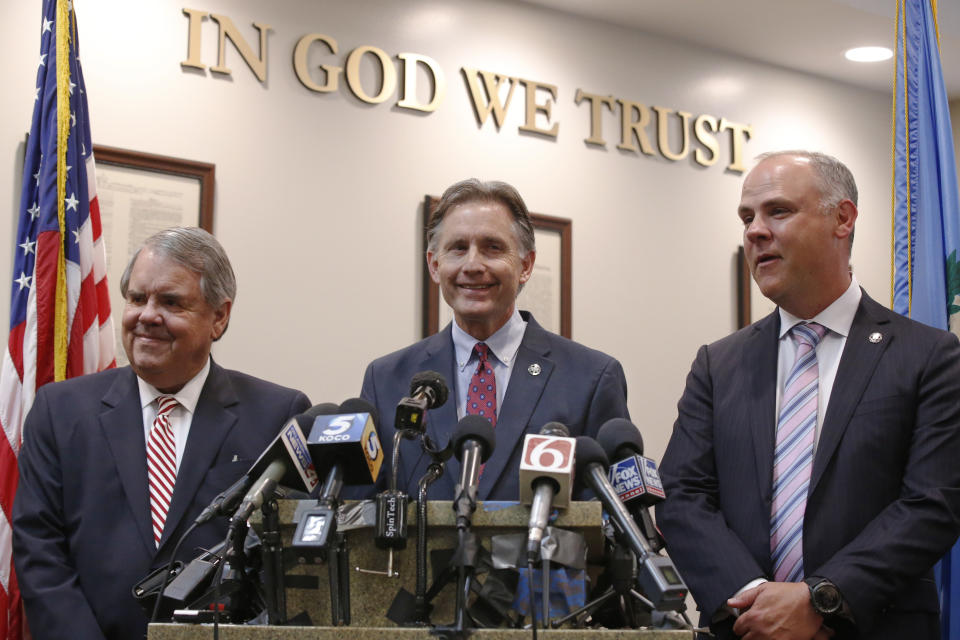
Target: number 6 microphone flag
[(60, 324)]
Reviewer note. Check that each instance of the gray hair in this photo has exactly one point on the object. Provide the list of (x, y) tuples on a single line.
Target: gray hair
[(473, 190), (198, 251), (834, 179)]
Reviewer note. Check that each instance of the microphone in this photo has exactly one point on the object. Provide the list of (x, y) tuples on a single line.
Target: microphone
[(346, 450), (428, 390), (658, 578), (473, 442), (229, 499), (346, 442), (286, 461), (546, 478), (634, 477)]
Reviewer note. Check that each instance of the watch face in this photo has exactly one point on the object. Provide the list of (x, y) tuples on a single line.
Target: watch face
[(826, 598)]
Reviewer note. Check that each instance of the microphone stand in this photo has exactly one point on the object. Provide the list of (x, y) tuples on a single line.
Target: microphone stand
[(465, 504), (272, 553), (422, 605), (623, 569), (338, 558)]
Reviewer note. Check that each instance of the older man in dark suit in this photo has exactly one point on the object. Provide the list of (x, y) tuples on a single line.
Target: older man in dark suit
[(501, 364), (812, 477), (115, 466)]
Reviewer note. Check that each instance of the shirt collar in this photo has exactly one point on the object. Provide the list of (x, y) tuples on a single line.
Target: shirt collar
[(188, 396), (838, 317), (503, 344)]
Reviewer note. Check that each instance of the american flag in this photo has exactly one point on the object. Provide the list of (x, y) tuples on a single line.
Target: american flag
[(60, 323)]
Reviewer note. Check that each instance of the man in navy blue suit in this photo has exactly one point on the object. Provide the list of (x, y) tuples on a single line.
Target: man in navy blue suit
[(480, 250), (812, 478), (85, 521)]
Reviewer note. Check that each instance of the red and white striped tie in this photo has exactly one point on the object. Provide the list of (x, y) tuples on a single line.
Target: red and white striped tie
[(161, 464)]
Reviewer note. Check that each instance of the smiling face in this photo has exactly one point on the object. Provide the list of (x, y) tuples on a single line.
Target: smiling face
[(168, 326), (476, 260), (798, 251)]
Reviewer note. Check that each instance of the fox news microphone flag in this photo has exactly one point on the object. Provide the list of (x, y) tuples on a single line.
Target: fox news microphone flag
[(60, 324), (926, 212)]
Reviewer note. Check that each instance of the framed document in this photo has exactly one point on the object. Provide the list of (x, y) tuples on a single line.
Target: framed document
[(547, 294), (140, 194)]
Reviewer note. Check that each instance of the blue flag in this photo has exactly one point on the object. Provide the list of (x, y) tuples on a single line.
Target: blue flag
[(926, 211)]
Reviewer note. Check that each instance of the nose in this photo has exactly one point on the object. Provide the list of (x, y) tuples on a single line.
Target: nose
[(150, 312), (472, 261), (756, 230)]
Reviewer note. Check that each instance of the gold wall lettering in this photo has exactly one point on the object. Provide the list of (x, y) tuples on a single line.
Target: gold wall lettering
[(490, 92)]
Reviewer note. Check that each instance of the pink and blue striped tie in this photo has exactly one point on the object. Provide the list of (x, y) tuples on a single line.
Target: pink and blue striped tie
[(161, 465), (793, 455)]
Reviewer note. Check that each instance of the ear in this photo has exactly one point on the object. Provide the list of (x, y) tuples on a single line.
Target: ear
[(433, 265), (526, 266), (221, 317), (846, 216)]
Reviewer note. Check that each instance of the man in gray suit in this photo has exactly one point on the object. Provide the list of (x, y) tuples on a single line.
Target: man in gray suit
[(812, 478), (115, 466), (480, 250)]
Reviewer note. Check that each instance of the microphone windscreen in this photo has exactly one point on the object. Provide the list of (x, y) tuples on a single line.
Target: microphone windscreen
[(589, 451), (359, 405), (323, 409), (620, 438), (436, 382), (555, 429), (473, 428)]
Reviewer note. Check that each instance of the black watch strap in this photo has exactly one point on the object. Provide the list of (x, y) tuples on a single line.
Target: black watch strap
[(827, 600)]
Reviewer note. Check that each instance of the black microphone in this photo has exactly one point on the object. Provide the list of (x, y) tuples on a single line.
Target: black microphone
[(345, 447), (346, 450), (658, 578), (634, 477), (285, 462), (428, 390), (473, 442), (228, 500), (546, 478)]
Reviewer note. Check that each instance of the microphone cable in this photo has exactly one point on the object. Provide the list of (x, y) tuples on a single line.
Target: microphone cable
[(168, 573)]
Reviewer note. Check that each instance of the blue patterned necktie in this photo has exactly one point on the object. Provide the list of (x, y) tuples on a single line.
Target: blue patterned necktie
[(793, 455)]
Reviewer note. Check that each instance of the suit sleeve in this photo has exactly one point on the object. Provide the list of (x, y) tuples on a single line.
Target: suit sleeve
[(609, 397), (712, 558), (55, 603), (299, 404), (368, 392), (907, 537)]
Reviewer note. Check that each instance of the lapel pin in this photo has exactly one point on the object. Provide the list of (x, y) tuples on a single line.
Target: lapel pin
[(235, 458), (875, 337), (534, 369)]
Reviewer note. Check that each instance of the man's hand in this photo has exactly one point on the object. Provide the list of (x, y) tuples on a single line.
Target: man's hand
[(777, 611)]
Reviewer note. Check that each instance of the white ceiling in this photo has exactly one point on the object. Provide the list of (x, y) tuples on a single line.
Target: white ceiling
[(806, 35)]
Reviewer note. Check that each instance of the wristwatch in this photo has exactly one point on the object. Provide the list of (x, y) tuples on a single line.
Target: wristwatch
[(825, 597)]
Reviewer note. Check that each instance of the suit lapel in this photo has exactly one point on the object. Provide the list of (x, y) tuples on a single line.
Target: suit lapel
[(122, 425), (857, 363), (760, 363), (439, 357), (519, 403), (212, 421)]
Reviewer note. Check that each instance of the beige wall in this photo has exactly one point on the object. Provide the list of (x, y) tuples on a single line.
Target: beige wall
[(317, 195)]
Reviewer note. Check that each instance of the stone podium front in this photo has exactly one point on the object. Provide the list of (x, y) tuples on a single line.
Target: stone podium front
[(371, 594)]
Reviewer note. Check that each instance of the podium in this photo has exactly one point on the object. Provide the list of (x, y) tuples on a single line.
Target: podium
[(239, 632), (371, 594)]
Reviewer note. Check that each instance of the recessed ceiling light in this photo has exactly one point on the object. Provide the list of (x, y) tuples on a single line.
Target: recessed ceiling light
[(868, 54)]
